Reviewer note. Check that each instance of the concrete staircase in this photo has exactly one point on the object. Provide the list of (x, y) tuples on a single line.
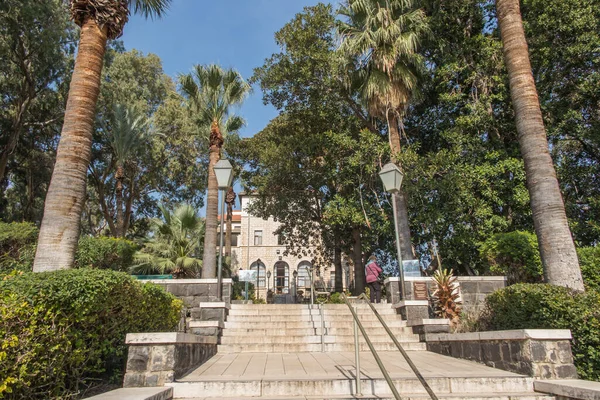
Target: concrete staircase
[(274, 352), (297, 328)]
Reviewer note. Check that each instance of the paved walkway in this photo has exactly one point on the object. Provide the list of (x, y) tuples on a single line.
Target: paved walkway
[(334, 365)]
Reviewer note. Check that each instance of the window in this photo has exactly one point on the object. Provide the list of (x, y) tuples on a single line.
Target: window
[(304, 275), (281, 277), (332, 279), (258, 238), (234, 239), (261, 274), (280, 239)]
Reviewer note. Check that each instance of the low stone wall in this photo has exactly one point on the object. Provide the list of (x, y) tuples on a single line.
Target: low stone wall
[(194, 291), (473, 289), (541, 353), (569, 389), (158, 358)]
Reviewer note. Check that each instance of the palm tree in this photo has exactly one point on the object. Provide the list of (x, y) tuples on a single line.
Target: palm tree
[(212, 93), (383, 37), (175, 246), (99, 20), (128, 133), (230, 201), (557, 250)]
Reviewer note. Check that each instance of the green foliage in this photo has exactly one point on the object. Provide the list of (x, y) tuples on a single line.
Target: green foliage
[(542, 306), (336, 298), (64, 331), (176, 244), (589, 262), (515, 255), (105, 253), (17, 246)]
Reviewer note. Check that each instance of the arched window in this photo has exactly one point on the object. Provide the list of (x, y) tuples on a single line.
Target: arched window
[(261, 273), (281, 276), (304, 274)]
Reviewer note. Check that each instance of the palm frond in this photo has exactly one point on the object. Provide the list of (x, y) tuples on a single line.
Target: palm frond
[(150, 8)]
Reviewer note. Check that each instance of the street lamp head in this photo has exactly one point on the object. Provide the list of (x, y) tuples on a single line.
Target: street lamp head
[(224, 173), (391, 176), (268, 274), (258, 262), (295, 273)]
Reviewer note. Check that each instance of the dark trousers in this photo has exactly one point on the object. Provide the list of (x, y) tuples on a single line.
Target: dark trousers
[(375, 291)]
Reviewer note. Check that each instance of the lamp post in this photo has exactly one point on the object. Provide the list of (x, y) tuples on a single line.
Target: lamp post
[(391, 176), (258, 279), (295, 273), (223, 172)]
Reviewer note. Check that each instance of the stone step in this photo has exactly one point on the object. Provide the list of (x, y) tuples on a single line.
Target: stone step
[(316, 347), (305, 317), (310, 331), (312, 324), (453, 388), (359, 306), (362, 312), (257, 339), (445, 396)]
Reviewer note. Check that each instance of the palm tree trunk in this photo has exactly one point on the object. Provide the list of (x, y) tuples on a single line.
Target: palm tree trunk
[(557, 250), (229, 199), (209, 262), (119, 175), (401, 203), (59, 232), (357, 258)]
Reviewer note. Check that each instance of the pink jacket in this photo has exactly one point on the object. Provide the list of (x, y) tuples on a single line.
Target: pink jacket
[(372, 271)]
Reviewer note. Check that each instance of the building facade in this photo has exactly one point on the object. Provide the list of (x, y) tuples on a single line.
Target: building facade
[(255, 246)]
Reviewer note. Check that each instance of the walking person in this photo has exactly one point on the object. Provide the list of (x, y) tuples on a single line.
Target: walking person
[(372, 271)]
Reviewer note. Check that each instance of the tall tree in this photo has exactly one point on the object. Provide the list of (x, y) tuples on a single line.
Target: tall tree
[(213, 92), (230, 201), (557, 250), (383, 37), (128, 134), (99, 20)]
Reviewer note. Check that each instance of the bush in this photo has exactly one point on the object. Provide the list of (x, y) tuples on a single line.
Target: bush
[(589, 261), (515, 255), (64, 331), (105, 253), (543, 306), (17, 246)]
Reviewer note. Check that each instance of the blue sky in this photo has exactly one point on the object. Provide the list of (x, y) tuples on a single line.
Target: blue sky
[(232, 33)]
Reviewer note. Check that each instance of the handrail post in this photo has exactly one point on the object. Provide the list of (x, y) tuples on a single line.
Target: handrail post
[(357, 360), (322, 328)]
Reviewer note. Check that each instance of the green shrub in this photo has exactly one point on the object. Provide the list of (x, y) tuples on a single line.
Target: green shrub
[(589, 261), (542, 306), (515, 255), (17, 246), (64, 331), (105, 253)]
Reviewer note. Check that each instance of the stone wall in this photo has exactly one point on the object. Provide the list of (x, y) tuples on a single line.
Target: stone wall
[(194, 291), (473, 289), (541, 353), (158, 358)]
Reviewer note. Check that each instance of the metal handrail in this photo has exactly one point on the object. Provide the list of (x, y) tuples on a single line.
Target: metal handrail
[(373, 351), (404, 353)]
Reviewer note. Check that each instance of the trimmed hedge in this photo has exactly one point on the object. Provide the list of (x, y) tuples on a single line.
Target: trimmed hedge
[(543, 306), (64, 331), (589, 261), (105, 253), (17, 246)]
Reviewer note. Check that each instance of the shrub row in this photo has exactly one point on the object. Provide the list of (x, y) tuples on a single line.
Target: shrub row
[(63, 331), (18, 242), (543, 306)]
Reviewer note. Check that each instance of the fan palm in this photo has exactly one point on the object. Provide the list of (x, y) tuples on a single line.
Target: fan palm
[(128, 133), (557, 250), (175, 246), (99, 20), (382, 37), (212, 93)]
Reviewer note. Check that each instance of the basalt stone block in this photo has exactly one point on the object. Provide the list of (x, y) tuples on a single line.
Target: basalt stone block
[(565, 371), (163, 358), (177, 289), (538, 351), (134, 380), (472, 351), (197, 290), (138, 357), (565, 355)]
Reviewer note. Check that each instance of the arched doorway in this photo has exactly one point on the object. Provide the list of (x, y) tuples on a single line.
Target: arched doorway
[(281, 277)]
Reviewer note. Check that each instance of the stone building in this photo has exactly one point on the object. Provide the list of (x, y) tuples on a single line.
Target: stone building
[(253, 239)]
